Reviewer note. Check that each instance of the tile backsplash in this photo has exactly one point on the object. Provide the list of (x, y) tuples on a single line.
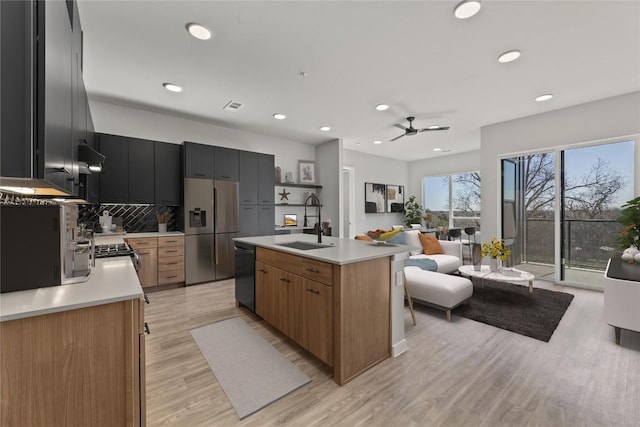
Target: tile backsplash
[(135, 218)]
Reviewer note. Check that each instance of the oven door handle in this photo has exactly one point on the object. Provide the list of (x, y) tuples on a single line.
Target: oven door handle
[(137, 264)]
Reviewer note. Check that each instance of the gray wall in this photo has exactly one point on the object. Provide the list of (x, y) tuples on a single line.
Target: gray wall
[(329, 156)]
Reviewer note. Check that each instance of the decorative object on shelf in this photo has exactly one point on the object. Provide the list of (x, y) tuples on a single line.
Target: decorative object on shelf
[(395, 198), (412, 212), (629, 237), (163, 219), (306, 172), (497, 250), (374, 197), (288, 178), (284, 194), (278, 175)]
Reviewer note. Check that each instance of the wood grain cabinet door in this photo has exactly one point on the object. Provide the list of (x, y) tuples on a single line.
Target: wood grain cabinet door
[(317, 319)]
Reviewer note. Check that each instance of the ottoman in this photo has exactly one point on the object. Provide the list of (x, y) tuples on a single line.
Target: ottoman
[(443, 291)]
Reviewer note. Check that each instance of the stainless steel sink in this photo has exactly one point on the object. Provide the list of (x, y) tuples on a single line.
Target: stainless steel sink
[(304, 246)]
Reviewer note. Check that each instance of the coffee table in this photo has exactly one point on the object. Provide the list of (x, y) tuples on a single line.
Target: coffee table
[(510, 275)]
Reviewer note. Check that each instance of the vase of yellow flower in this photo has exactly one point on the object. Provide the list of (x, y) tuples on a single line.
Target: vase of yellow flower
[(497, 250)]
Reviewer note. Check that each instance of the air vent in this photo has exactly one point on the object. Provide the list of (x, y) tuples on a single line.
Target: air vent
[(232, 106)]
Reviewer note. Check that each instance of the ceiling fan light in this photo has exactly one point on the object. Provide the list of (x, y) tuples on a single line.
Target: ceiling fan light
[(437, 149), (466, 9), (508, 56), (279, 116), (198, 31), (382, 107), (171, 87), (545, 97), (434, 127)]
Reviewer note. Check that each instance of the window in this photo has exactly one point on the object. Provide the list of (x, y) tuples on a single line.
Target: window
[(453, 200)]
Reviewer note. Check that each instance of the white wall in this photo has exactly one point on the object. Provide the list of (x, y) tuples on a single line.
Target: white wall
[(329, 155), (605, 119), (127, 121), (380, 170)]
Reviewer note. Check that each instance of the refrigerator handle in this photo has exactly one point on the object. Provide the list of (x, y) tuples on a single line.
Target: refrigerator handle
[(215, 209), (215, 249)]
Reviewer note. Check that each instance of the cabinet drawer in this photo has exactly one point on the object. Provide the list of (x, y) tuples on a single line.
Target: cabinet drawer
[(170, 251), (287, 262), (171, 263), (143, 243), (316, 270), (170, 241), (170, 276)]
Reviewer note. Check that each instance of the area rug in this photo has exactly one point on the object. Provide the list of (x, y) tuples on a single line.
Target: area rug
[(251, 372), (508, 306)]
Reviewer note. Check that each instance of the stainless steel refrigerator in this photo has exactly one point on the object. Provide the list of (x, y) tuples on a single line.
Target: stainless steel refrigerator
[(210, 224)]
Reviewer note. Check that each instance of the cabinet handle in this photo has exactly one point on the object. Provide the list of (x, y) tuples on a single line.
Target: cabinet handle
[(146, 298), (285, 280), (312, 270), (199, 174), (146, 329), (144, 253), (313, 291), (171, 241), (171, 277), (140, 243), (226, 176), (171, 263), (175, 250)]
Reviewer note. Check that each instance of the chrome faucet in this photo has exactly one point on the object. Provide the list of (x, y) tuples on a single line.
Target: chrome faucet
[(314, 200)]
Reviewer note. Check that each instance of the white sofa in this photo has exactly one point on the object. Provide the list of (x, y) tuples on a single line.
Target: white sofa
[(447, 263)]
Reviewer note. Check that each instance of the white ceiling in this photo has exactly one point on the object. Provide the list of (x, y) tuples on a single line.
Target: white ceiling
[(413, 55)]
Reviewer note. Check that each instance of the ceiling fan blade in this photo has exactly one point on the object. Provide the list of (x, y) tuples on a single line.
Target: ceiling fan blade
[(400, 126), (434, 129), (397, 137)]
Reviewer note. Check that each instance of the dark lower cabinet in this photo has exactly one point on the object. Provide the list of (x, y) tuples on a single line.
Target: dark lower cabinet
[(167, 174), (141, 171), (114, 180), (248, 220), (266, 220)]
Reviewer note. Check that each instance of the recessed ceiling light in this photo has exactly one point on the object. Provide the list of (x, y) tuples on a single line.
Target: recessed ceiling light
[(279, 116), (172, 87), (437, 149), (509, 56), (466, 9), (545, 97), (377, 142), (382, 107), (325, 128), (198, 31)]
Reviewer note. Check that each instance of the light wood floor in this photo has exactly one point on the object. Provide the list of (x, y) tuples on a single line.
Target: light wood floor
[(459, 373)]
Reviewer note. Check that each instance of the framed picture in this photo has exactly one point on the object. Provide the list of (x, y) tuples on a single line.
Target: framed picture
[(374, 197), (290, 220), (395, 198), (306, 172)]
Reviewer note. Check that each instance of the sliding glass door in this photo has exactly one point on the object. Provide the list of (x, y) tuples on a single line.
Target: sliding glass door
[(559, 209)]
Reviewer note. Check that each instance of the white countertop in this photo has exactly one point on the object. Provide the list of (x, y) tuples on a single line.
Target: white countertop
[(342, 251), (111, 280), (139, 235)]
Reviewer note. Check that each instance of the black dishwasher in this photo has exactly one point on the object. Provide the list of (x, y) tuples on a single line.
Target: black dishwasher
[(245, 255)]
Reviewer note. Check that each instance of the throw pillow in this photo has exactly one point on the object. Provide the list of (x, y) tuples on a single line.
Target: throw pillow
[(423, 263), (411, 239), (430, 244)]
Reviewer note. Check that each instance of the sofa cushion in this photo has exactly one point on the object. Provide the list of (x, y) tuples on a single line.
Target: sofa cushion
[(411, 239), (443, 290), (424, 263), (430, 245), (446, 263)]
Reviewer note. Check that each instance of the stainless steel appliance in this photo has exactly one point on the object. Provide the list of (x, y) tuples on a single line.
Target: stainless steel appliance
[(246, 275), (113, 250), (39, 247), (211, 223)]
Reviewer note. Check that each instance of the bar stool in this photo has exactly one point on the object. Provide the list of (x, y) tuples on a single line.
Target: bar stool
[(470, 232), (455, 233)]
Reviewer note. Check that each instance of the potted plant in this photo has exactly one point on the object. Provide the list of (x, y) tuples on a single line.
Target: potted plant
[(412, 212), (629, 237)]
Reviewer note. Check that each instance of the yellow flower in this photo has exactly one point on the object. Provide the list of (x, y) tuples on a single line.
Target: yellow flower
[(495, 249)]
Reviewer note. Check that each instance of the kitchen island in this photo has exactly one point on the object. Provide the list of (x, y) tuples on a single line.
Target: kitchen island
[(74, 354), (343, 302)]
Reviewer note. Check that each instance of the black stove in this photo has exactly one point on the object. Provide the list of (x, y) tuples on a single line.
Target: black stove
[(107, 251)]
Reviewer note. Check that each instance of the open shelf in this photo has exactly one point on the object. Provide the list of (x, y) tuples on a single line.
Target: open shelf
[(283, 184)]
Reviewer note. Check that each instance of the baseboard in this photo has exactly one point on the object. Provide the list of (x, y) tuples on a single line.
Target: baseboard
[(398, 348)]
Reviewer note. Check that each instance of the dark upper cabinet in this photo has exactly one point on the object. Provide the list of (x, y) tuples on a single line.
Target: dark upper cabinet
[(167, 174), (248, 182), (225, 164), (266, 179), (198, 160), (55, 93), (114, 180), (16, 89), (141, 171)]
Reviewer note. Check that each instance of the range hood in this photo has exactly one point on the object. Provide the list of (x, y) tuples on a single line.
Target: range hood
[(89, 160)]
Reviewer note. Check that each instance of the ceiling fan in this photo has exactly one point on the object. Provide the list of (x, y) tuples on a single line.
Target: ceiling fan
[(409, 131)]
